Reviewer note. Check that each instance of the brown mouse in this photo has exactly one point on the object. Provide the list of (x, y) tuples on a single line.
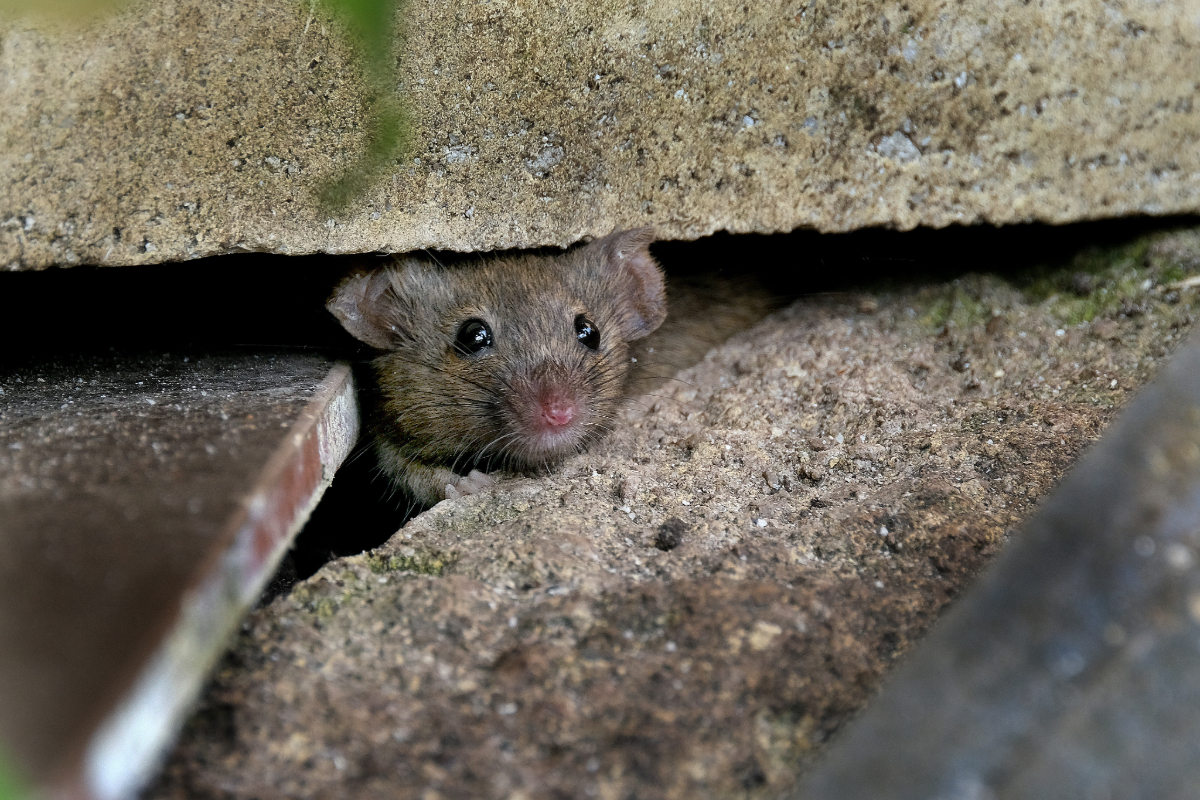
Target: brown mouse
[(511, 363)]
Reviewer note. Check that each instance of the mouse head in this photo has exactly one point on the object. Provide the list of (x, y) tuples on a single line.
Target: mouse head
[(387, 306), (520, 360)]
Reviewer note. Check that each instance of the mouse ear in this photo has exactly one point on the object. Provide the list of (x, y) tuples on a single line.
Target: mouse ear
[(639, 280), (364, 303)]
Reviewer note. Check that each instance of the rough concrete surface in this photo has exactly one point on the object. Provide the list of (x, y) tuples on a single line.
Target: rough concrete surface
[(691, 609), (185, 128), (1067, 672)]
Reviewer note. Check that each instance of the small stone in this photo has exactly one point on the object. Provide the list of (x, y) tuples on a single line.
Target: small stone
[(763, 634), (627, 487), (670, 534), (811, 472), (1106, 329)]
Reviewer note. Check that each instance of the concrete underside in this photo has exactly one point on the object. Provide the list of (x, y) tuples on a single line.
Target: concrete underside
[(182, 129)]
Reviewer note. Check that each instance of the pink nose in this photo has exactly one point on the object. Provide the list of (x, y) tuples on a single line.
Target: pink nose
[(558, 413)]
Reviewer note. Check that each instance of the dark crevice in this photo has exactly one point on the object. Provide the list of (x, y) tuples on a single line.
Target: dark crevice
[(360, 511)]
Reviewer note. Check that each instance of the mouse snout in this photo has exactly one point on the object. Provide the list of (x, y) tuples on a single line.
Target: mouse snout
[(557, 409), (549, 414), (556, 399)]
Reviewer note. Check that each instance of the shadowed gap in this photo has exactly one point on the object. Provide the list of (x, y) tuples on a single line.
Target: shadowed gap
[(265, 302)]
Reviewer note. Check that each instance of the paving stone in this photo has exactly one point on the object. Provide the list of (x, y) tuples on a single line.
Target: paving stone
[(189, 128), (144, 501), (1069, 671), (694, 607)]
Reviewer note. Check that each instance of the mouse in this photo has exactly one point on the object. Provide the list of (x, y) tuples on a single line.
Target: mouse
[(511, 363)]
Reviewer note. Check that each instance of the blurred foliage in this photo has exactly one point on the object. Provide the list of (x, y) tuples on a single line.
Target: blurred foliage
[(371, 27), (60, 12), (388, 138), (369, 23), (9, 786)]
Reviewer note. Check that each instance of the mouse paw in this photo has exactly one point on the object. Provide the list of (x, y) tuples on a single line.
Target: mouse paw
[(471, 483)]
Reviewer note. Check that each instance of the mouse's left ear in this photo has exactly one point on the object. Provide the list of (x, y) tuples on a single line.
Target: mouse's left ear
[(638, 278)]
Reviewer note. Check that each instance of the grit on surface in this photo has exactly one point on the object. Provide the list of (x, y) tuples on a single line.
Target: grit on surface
[(691, 609)]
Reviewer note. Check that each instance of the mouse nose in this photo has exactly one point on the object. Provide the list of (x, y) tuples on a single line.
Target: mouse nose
[(558, 411), (555, 396)]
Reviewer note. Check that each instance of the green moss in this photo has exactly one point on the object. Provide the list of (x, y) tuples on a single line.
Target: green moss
[(420, 563), (317, 602), (1163, 264), (1095, 283), (1171, 272), (958, 304)]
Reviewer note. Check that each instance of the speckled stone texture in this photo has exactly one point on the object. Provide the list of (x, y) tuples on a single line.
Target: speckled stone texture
[(691, 609), (186, 128), (1066, 672)]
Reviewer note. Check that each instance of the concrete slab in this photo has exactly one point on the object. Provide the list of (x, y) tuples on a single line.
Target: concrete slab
[(188, 128), (693, 607), (1069, 670), (144, 502)]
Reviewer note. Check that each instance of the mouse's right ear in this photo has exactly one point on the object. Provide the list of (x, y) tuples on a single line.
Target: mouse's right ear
[(366, 305)]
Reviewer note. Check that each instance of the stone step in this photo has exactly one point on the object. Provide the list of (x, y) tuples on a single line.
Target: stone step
[(145, 500)]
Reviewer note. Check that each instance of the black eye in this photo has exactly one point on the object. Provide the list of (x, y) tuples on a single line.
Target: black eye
[(587, 333), (473, 336)]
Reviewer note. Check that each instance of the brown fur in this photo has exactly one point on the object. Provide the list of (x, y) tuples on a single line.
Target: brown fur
[(437, 414)]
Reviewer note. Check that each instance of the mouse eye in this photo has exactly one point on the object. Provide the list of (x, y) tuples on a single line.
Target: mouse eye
[(473, 336), (587, 333)]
